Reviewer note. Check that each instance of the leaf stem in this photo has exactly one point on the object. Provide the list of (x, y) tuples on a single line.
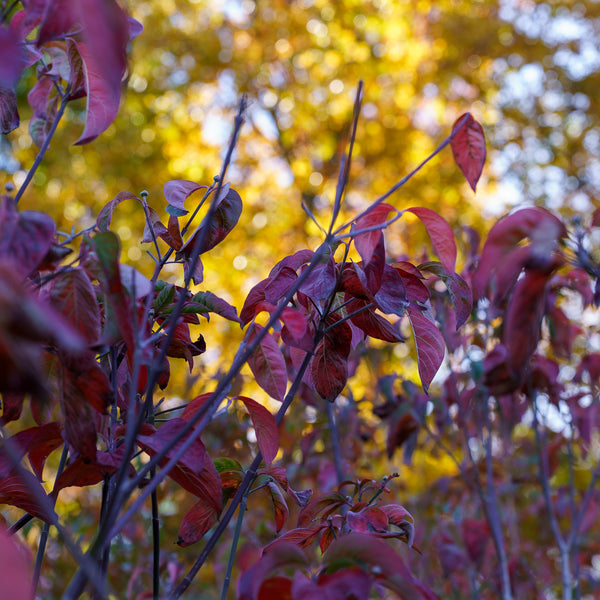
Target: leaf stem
[(234, 544)]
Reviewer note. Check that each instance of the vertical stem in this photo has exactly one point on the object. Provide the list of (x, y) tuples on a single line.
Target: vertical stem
[(234, 544)]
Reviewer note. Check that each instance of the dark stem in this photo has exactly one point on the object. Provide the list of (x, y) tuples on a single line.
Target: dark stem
[(155, 545), (234, 544)]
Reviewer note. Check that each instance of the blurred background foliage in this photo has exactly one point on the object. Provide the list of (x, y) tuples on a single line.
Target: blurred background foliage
[(528, 71)]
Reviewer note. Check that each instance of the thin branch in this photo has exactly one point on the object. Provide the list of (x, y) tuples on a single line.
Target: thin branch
[(43, 148), (335, 442)]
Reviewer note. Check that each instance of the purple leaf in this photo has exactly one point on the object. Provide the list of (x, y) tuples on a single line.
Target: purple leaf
[(430, 346), (12, 61), (365, 243), (268, 365), (178, 190), (267, 433)]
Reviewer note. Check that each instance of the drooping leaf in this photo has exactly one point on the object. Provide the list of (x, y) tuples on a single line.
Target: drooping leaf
[(71, 293), (329, 365), (267, 433), (430, 346), (268, 365), (254, 297), (207, 302), (280, 506), (17, 489), (323, 505), (400, 517), (196, 522), (440, 234), (103, 53), (468, 148), (12, 58)]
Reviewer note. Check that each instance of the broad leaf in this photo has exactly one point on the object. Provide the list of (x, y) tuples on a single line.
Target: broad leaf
[(268, 365), (430, 346), (267, 433), (104, 217), (196, 522), (17, 488), (371, 323), (16, 568), (12, 58), (468, 148)]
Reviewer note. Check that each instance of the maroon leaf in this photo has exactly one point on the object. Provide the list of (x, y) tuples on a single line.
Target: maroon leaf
[(103, 52), (391, 296), (268, 365), (224, 219), (177, 191), (12, 405), (9, 114), (196, 522), (71, 293), (329, 365), (267, 433), (371, 323), (104, 217), (255, 296), (280, 284), (294, 261), (16, 568), (16, 490), (400, 517), (440, 233), (468, 148), (542, 228), (365, 243), (38, 443), (367, 520), (430, 346), (321, 282), (301, 536), (279, 505), (326, 504), (25, 237), (524, 318)]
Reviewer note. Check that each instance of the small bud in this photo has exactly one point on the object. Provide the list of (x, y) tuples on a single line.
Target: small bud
[(216, 178), (144, 195)]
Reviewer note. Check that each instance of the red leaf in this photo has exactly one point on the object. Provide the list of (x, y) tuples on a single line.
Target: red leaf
[(468, 148), (542, 228), (194, 406), (255, 296), (16, 490), (196, 522), (267, 433), (321, 282), (71, 293), (329, 365), (365, 243), (38, 443), (400, 517), (391, 296), (301, 536), (326, 504), (344, 584), (224, 219), (25, 237), (430, 346), (440, 233), (371, 323), (368, 520), (103, 52), (279, 505), (524, 318), (178, 190), (16, 568), (268, 365)]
